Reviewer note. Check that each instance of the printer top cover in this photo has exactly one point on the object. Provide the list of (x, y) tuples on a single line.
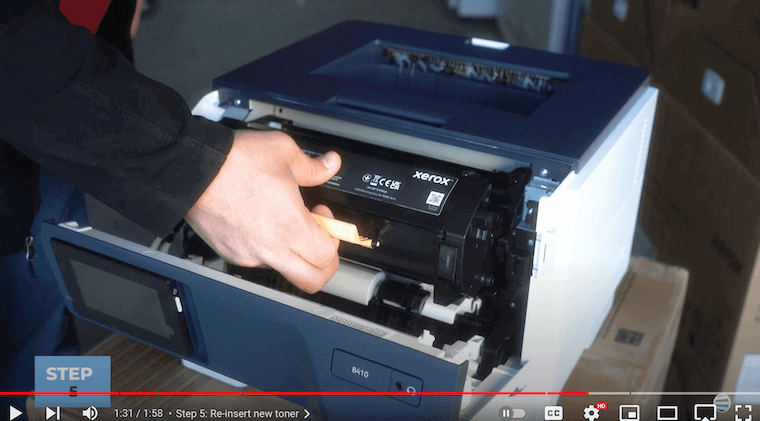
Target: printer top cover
[(449, 89)]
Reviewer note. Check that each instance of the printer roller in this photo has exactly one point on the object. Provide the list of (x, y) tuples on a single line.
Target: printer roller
[(354, 282), (362, 284)]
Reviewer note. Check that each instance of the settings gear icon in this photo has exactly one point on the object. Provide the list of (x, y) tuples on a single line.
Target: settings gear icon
[(591, 413)]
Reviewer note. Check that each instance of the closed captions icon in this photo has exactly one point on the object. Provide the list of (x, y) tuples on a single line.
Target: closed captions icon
[(553, 413)]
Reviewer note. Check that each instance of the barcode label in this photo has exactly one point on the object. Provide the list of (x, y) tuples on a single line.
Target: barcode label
[(629, 337), (435, 198)]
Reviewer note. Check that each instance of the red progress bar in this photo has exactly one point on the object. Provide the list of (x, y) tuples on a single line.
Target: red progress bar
[(138, 393), (288, 393), (202, 393), (55, 393), (482, 393), (328, 393)]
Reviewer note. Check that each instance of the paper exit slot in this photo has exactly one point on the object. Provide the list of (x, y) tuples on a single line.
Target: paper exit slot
[(430, 87)]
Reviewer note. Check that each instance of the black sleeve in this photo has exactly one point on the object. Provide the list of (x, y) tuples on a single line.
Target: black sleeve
[(72, 103)]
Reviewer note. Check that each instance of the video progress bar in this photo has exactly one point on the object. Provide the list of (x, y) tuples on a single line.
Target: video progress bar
[(670, 393), (312, 393), (290, 393)]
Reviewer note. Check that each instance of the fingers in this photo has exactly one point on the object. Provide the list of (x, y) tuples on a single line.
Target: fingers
[(325, 211), (304, 275), (312, 259), (314, 244), (307, 171), (266, 223), (310, 172)]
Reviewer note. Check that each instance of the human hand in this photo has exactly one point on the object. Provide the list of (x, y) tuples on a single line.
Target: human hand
[(252, 213)]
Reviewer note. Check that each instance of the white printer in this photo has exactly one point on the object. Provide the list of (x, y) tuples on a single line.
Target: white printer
[(498, 188)]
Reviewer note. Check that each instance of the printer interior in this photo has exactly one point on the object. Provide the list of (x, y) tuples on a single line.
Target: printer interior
[(453, 272)]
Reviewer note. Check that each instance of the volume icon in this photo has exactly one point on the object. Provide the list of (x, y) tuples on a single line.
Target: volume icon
[(90, 413)]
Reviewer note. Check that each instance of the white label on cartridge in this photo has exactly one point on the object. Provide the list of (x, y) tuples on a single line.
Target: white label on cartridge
[(396, 183), (435, 198)]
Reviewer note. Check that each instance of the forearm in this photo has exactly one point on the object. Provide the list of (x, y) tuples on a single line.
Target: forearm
[(77, 107)]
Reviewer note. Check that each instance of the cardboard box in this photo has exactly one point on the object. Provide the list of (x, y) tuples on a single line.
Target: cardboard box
[(658, 14), (598, 44), (701, 209), (708, 203), (627, 21), (717, 91), (732, 25), (526, 24), (701, 200), (743, 369), (634, 346)]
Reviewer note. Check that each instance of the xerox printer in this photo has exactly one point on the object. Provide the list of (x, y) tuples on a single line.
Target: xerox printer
[(495, 191)]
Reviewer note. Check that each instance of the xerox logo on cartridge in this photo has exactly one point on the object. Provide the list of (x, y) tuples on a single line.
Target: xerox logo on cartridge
[(421, 175)]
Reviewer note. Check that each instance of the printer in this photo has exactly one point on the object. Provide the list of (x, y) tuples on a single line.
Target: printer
[(495, 190)]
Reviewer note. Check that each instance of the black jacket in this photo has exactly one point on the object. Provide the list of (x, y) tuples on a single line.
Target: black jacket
[(75, 105)]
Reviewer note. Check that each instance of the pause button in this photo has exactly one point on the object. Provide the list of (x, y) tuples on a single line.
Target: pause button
[(508, 413)]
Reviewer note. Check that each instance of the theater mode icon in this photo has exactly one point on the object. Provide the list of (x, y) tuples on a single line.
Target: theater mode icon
[(667, 413)]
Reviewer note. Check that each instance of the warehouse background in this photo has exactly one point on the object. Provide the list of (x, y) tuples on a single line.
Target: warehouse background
[(701, 201)]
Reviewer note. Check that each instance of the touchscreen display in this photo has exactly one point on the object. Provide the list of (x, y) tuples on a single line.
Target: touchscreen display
[(120, 298), (127, 298)]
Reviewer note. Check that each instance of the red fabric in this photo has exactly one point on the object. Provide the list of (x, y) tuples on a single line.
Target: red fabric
[(87, 13)]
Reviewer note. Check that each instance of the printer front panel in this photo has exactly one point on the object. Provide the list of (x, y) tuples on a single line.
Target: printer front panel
[(268, 339)]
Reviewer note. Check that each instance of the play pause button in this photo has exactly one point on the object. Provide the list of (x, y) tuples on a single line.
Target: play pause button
[(14, 413), (509, 413)]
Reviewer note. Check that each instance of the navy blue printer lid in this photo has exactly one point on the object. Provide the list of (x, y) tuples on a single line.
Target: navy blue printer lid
[(366, 73)]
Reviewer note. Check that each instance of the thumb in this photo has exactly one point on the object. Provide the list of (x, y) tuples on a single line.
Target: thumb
[(310, 172)]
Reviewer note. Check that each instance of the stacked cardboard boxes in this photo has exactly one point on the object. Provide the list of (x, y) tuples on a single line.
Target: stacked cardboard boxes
[(743, 368), (701, 201), (635, 344)]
